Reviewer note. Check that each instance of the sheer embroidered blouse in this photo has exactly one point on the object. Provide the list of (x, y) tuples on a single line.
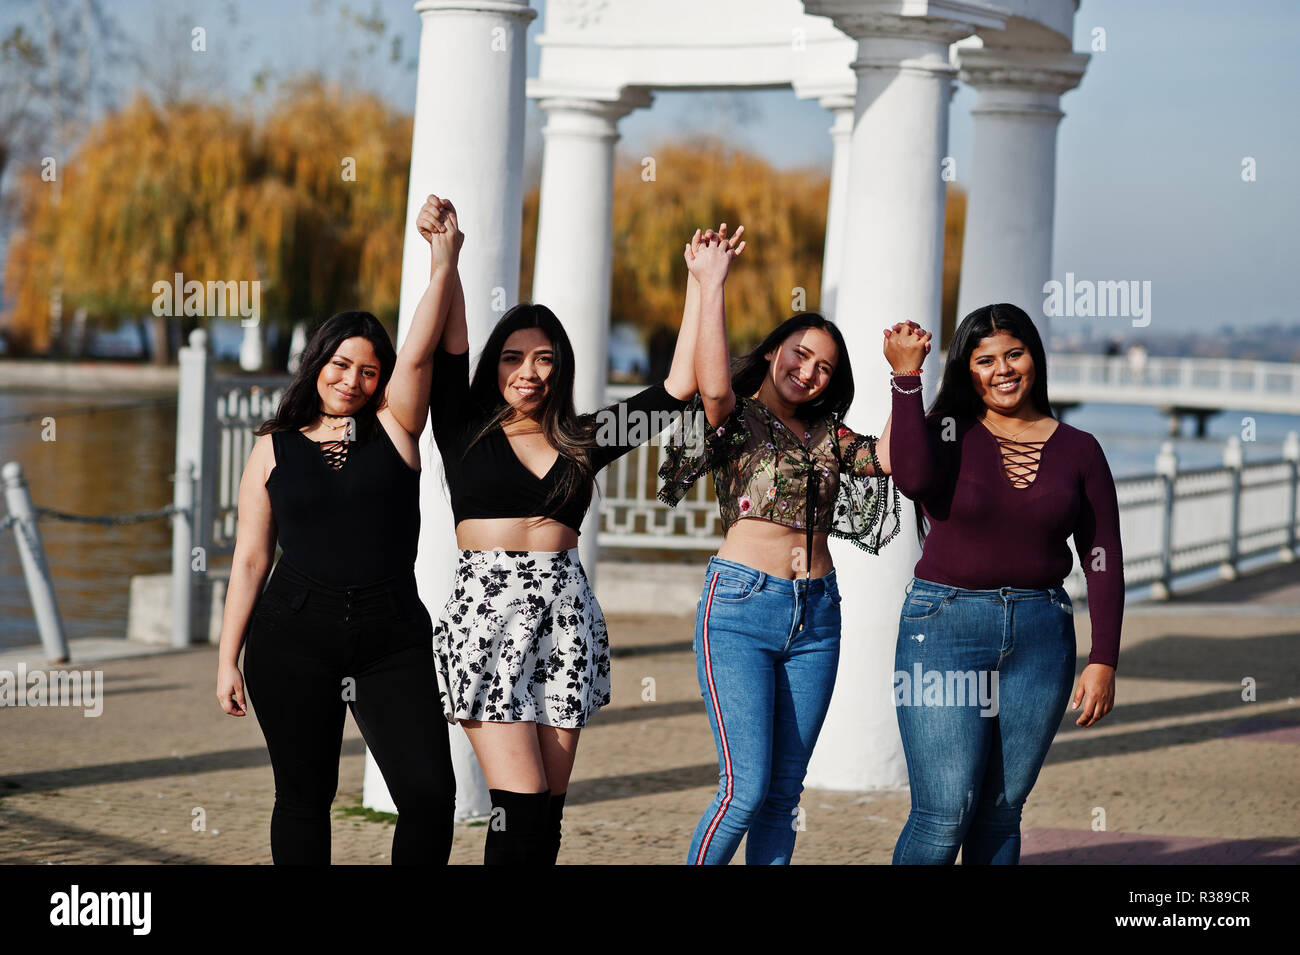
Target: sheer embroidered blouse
[(816, 478)]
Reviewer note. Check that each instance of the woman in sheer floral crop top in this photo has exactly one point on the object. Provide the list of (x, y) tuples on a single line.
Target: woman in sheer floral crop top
[(788, 474), (763, 468)]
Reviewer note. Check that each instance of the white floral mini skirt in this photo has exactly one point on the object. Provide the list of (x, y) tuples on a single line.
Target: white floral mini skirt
[(522, 639)]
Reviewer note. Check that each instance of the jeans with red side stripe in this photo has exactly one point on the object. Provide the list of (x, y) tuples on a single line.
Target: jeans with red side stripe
[(766, 651)]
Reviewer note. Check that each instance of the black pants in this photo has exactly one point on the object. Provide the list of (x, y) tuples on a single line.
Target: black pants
[(313, 651)]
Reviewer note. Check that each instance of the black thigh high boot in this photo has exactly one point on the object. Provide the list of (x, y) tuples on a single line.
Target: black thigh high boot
[(519, 830), (556, 815)]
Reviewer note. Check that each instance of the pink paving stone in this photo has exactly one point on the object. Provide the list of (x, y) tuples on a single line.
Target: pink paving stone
[(1085, 847), (1264, 729)]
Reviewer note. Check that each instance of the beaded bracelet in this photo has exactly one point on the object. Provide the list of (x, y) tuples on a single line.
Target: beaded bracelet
[(904, 374)]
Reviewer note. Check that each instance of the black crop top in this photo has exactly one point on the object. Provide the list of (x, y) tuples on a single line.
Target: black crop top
[(347, 527), (489, 480)]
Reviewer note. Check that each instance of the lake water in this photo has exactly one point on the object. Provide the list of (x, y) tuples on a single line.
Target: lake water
[(119, 458), (116, 459)]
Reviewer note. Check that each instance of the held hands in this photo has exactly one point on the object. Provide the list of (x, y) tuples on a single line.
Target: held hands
[(437, 222), (1096, 690), (906, 345), (709, 254)]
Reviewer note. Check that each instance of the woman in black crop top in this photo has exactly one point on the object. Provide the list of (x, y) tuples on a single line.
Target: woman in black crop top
[(521, 647), (335, 478), (788, 473)]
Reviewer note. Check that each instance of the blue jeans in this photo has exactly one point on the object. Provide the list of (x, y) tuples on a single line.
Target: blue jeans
[(766, 684), (981, 680)]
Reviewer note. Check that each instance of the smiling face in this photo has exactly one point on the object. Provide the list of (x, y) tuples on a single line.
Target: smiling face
[(525, 365), (801, 368), (347, 381), (1002, 373)]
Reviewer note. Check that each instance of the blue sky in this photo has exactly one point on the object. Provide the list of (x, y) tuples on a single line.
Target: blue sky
[(1149, 180)]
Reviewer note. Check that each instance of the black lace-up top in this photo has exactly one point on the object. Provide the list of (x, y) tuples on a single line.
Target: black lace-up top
[(347, 514), (486, 479)]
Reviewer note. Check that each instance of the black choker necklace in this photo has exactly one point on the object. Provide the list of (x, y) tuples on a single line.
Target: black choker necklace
[(326, 414)]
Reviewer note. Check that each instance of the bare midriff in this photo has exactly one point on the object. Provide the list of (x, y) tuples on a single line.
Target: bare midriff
[(515, 533), (775, 549)]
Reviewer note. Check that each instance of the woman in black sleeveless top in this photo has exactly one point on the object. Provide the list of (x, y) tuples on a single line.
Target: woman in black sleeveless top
[(335, 477)]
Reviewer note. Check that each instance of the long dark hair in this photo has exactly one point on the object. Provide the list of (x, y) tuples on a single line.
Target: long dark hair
[(748, 371), (300, 404), (957, 398), (570, 435)]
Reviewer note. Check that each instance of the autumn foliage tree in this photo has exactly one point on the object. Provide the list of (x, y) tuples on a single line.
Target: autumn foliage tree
[(954, 228), (658, 204), (696, 184), (310, 203)]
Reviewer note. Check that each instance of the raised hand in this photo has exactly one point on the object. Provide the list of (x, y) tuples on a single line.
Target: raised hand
[(735, 244), (438, 224), (906, 345), (709, 254)]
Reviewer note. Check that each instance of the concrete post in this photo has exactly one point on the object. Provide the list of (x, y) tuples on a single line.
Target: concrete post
[(1233, 459), (183, 588), (1291, 454), (195, 475), (31, 553), (1167, 468)]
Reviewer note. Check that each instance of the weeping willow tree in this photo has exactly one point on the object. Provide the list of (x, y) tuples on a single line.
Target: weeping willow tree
[(311, 205), (698, 183), (29, 267), (658, 204), (347, 158), (954, 228)]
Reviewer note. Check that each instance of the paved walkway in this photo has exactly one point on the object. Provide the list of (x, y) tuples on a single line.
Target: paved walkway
[(1182, 771)]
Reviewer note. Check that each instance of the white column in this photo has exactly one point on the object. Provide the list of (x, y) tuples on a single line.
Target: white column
[(893, 255), (1007, 249), (841, 131), (467, 145), (575, 221), (251, 356)]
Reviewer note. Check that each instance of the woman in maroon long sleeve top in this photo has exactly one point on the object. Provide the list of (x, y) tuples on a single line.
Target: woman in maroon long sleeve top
[(1002, 485)]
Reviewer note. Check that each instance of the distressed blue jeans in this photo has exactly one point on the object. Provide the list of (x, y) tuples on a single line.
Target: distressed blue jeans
[(981, 680), (766, 651)]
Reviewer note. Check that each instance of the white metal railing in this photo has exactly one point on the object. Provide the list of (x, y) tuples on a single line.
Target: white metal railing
[(1207, 383), (238, 411), (1175, 522), (1172, 523)]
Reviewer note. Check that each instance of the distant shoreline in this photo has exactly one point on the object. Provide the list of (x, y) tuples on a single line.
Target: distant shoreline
[(24, 375), (88, 377)]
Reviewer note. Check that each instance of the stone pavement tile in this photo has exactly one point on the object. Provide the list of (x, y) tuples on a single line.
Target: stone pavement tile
[(1267, 730), (1182, 770), (1083, 846)]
